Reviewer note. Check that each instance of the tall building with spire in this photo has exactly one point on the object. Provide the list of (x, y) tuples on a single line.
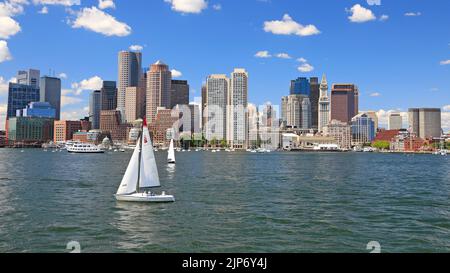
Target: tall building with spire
[(159, 86), (324, 104), (130, 75)]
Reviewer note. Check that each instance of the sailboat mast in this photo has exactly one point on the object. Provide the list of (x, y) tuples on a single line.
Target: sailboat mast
[(140, 158)]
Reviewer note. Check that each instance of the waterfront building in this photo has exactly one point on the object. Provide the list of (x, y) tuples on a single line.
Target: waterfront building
[(31, 130), (134, 103), (300, 86), (109, 95), (386, 135), (29, 77), (95, 106), (64, 130), (324, 105), (269, 116), (86, 124), (363, 129), (159, 81), (19, 96), (237, 121), (314, 99), (179, 93), (344, 102), (111, 123), (50, 91), (38, 110), (425, 122), (395, 121), (216, 107), (310, 141), (163, 127), (130, 75), (341, 132), (306, 114)]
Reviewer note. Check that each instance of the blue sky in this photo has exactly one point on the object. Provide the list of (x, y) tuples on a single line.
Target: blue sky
[(397, 52)]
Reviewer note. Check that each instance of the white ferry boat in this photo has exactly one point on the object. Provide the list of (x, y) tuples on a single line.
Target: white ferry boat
[(84, 148)]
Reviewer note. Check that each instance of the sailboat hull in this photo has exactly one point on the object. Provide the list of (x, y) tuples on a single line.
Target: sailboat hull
[(145, 198)]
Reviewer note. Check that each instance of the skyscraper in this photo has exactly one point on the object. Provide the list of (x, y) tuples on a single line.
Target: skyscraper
[(425, 122), (300, 86), (204, 99), (95, 106), (395, 121), (159, 81), (50, 91), (130, 74), (19, 96), (179, 93), (216, 105), (314, 99), (134, 103), (292, 110), (324, 105), (344, 102), (29, 77), (237, 121), (306, 114), (109, 95)]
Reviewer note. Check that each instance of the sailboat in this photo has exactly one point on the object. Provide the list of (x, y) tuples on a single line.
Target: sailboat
[(171, 154), (142, 174)]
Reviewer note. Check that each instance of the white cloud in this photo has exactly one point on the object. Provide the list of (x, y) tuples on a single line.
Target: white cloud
[(136, 47), (11, 8), (3, 86), (44, 10), (360, 14), (5, 55), (176, 73), (383, 117), (263, 54), (217, 6), (446, 108), (98, 21), (283, 56), (9, 27), (302, 60), (188, 6), (76, 114), (445, 62), (106, 4), (411, 14), (445, 121), (287, 26), (94, 83), (384, 17), (375, 94), (374, 2), (66, 3), (62, 75), (305, 67), (67, 100)]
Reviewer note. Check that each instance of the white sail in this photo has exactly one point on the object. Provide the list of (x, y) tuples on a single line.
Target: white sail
[(130, 178), (171, 155), (149, 172)]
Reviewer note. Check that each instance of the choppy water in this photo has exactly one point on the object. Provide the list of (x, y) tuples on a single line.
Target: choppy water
[(228, 202)]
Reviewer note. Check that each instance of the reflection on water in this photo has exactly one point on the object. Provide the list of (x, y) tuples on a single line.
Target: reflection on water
[(227, 202)]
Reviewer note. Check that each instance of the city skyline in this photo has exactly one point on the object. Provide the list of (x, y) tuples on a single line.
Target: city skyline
[(387, 82)]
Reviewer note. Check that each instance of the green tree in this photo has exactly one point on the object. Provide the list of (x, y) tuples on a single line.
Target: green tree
[(381, 145), (223, 143)]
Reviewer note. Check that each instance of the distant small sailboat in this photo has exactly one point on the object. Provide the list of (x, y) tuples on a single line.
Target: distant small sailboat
[(171, 153), (142, 174)]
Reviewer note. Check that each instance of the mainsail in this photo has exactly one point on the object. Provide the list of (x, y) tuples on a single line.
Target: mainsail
[(171, 155), (149, 172)]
